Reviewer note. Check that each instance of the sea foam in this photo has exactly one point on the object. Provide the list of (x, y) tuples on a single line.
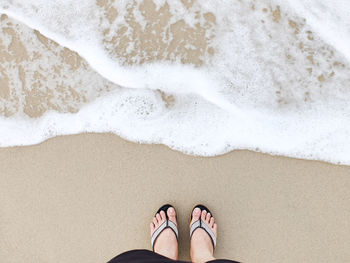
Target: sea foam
[(203, 77)]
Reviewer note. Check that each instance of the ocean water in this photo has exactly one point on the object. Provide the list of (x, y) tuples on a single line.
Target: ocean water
[(202, 77)]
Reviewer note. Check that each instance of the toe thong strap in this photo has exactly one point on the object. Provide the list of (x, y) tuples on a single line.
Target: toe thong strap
[(161, 228), (201, 224)]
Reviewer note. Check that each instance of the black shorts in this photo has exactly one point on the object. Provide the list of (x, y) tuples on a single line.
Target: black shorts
[(147, 256)]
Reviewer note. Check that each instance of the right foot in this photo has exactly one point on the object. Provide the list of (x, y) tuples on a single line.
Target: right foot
[(166, 244), (202, 249)]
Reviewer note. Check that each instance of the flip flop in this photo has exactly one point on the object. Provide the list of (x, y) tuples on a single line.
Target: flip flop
[(201, 224), (167, 224)]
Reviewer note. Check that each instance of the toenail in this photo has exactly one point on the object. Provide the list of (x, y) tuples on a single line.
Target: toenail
[(197, 210), (171, 210)]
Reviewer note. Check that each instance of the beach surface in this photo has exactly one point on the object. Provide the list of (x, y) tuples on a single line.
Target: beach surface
[(87, 198)]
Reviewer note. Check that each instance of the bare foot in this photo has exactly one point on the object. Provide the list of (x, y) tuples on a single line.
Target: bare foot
[(202, 249), (166, 244)]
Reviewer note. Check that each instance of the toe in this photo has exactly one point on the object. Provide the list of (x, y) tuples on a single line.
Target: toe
[(158, 218), (162, 215), (212, 221), (171, 214), (155, 222), (207, 218), (152, 227), (215, 228), (204, 215), (196, 214)]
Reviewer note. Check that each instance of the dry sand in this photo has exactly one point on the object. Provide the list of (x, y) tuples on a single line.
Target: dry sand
[(86, 198)]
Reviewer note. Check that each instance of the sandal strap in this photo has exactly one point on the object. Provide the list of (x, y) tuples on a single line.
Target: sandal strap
[(167, 224), (201, 224)]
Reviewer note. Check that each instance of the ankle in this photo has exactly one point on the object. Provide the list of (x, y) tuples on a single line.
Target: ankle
[(169, 253), (201, 256)]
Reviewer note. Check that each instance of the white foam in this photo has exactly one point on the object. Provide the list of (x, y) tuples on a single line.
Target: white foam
[(273, 84), (331, 20)]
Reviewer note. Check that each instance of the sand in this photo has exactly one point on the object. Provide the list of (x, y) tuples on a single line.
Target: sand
[(86, 198)]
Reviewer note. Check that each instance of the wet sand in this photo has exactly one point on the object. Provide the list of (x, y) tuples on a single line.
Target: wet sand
[(86, 198)]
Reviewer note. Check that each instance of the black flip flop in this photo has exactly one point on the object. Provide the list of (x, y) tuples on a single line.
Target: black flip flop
[(167, 224), (201, 224)]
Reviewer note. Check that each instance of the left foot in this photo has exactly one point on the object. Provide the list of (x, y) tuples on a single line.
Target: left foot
[(166, 244), (202, 248)]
